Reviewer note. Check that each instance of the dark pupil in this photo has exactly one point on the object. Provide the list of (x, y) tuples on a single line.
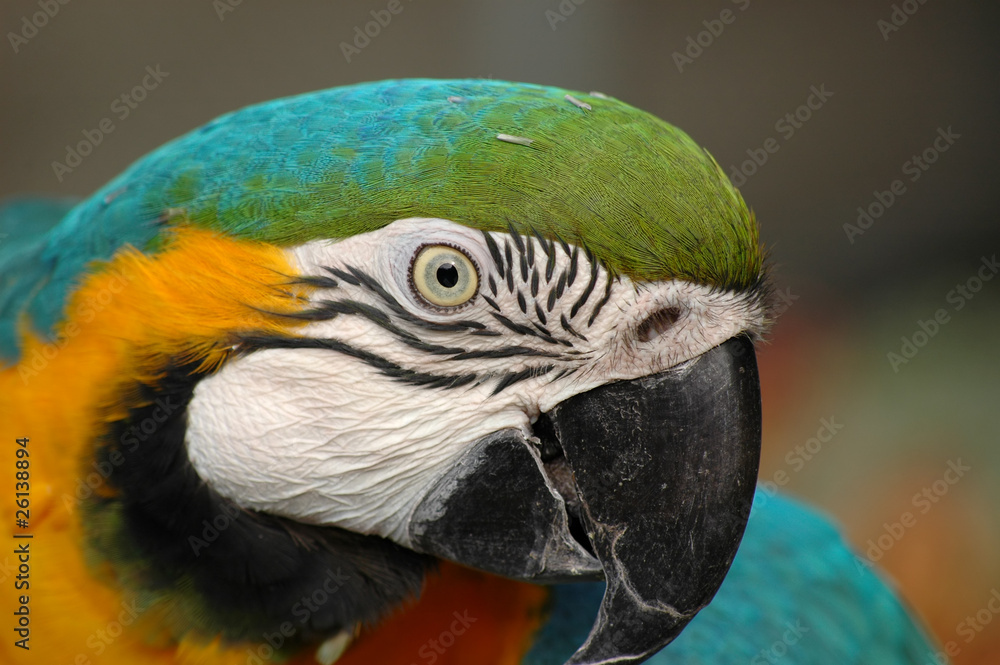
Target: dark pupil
[(447, 275)]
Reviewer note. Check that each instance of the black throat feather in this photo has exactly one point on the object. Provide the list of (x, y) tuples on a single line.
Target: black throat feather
[(207, 566)]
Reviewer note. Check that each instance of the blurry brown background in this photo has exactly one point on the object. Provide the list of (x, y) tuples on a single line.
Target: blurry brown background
[(848, 304)]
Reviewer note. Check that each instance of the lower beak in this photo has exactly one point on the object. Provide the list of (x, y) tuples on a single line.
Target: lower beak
[(648, 481)]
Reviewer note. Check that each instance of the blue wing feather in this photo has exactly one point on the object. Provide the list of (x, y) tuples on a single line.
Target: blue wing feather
[(25, 224)]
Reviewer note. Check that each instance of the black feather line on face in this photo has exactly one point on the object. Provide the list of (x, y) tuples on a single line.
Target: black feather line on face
[(540, 314), (517, 239), (381, 319), (511, 378), (545, 335), (564, 372), (383, 365), (512, 326), (564, 342), (510, 267), (572, 266), (225, 570), (317, 281), (347, 277), (393, 370), (568, 328), (560, 285), (603, 301), (505, 352), (563, 244), (546, 247), (586, 292), (495, 253)]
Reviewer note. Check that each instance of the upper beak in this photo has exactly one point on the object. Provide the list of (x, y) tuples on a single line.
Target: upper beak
[(649, 481)]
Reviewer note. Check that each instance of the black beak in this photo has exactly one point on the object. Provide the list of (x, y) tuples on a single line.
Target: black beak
[(649, 481)]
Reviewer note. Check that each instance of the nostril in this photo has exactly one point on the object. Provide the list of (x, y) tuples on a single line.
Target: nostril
[(657, 323)]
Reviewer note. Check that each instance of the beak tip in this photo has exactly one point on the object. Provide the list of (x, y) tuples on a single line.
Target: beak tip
[(689, 445)]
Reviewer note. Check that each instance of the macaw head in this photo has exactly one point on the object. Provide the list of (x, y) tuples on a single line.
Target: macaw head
[(372, 327)]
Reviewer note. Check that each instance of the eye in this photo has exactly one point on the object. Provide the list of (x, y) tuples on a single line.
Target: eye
[(444, 276)]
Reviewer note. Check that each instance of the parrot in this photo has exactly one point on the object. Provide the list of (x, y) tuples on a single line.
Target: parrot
[(412, 371)]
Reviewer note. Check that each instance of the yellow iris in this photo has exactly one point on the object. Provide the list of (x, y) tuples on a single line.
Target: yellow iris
[(444, 276)]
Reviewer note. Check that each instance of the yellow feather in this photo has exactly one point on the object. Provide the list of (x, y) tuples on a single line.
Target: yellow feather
[(121, 324)]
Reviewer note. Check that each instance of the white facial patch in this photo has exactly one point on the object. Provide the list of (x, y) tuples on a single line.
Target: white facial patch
[(383, 391)]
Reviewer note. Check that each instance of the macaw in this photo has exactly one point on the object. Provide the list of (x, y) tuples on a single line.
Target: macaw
[(414, 371)]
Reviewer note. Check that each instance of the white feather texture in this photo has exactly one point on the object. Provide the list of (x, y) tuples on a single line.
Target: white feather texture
[(323, 437)]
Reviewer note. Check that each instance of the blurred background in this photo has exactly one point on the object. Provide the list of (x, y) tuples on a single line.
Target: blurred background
[(881, 386)]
